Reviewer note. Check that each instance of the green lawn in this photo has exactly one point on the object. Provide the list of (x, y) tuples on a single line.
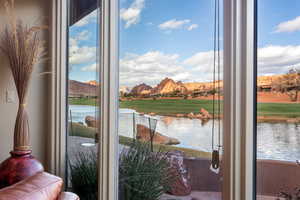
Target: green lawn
[(290, 110), (166, 106), (185, 106), (83, 101)]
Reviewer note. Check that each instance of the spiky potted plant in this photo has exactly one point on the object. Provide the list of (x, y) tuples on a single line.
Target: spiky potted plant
[(83, 175), (144, 174)]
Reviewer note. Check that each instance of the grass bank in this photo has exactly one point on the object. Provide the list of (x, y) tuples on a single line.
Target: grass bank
[(168, 106), (181, 106), (83, 101), (289, 110), (82, 131), (185, 106)]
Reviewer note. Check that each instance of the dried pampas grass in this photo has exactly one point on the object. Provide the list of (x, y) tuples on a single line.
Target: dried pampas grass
[(24, 49)]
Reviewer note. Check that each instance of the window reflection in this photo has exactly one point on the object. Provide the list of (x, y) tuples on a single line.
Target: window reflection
[(83, 83), (278, 147)]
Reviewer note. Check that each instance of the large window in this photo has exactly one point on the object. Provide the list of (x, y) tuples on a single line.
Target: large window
[(278, 108), (170, 91), (171, 88)]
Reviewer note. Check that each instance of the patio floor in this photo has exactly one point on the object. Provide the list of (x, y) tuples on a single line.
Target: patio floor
[(206, 196), (76, 144)]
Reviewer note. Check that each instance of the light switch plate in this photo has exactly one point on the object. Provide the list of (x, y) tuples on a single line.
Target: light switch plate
[(10, 96)]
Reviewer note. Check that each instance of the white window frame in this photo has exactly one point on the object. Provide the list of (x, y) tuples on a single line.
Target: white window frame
[(238, 99), (58, 53), (109, 76)]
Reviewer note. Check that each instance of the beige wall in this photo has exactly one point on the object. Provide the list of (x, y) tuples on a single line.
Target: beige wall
[(31, 11)]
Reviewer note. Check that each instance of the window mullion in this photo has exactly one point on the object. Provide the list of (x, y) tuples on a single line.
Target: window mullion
[(109, 64), (238, 99), (58, 54)]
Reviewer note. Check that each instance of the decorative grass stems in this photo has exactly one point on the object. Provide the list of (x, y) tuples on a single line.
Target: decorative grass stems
[(24, 49)]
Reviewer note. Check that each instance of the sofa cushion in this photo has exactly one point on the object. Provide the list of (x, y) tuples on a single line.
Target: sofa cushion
[(68, 196), (42, 186)]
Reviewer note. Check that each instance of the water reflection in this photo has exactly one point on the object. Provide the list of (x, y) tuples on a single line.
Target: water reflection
[(280, 141)]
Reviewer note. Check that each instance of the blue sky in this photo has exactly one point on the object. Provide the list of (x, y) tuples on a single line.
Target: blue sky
[(174, 38)]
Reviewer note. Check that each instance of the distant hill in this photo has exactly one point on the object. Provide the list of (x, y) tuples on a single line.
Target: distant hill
[(169, 86), (80, 89), (125, 89), (92, 82), (141, 89), (166, 86)]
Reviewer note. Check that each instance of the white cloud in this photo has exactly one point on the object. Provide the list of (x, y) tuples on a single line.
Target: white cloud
[(91, 18), (173, 24), (89, 68), (289, 26), (80, 55), (132, 15), (278, 59), (271, 60), (153, 66), (193, 26), (150, 68), (201, 65), (84, 35)]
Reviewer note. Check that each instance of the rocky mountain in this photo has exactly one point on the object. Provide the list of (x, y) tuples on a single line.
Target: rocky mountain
[(80, 89), (125, 89), (142, 89), (267, 80), (168, 86), (92, 82)]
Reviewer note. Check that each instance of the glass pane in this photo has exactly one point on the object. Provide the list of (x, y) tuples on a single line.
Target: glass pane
[(166, 100), (278, 108), (83, 99)]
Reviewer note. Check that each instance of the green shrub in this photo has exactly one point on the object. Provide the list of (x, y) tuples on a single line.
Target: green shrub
[(84, 176), (143, 175)]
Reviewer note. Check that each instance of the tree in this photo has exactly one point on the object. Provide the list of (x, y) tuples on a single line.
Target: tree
[(288, 84)]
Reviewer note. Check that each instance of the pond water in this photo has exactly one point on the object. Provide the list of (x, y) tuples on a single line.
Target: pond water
[(279, 141)]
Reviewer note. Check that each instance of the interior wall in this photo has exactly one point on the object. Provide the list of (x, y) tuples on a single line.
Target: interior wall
[(31, 12)]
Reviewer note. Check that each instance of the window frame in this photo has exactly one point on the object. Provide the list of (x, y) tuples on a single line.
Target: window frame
[(239, 100), (239, 97), (58, 45), (109, 81)]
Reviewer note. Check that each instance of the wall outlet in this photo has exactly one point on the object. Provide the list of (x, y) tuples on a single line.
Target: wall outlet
[(10, 96)]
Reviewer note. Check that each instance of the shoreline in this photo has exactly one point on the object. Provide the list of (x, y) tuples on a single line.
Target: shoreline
[(260, 119)]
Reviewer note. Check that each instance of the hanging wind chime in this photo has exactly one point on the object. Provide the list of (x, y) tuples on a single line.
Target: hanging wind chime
[(216, 148)]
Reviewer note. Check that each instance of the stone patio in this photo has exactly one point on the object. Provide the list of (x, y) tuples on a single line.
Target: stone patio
[(196, 195)]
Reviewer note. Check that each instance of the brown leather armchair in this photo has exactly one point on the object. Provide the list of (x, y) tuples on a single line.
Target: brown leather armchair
[(42, 186)]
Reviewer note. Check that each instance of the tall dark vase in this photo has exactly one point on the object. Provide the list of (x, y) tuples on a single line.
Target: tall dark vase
[(21, 163), (19, 166)]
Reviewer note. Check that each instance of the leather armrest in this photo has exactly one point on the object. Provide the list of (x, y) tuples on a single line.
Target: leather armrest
[(42, 186), (68, 196)]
